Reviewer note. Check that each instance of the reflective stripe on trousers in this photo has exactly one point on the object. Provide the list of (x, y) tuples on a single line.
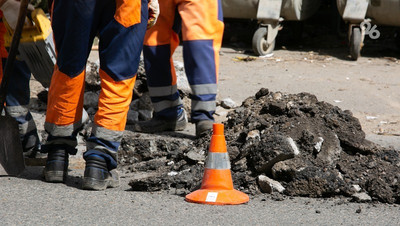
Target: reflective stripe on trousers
[(75, 24), (26, 124), (17, 104), (202, 28)]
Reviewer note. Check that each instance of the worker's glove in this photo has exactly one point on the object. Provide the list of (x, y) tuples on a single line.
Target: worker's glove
[(10, 10), (154, 11)]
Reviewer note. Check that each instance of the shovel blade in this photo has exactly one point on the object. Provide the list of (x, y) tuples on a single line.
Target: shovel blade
[(11, 153)]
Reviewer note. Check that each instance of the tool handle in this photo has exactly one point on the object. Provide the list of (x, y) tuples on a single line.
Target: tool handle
[(23, 10)]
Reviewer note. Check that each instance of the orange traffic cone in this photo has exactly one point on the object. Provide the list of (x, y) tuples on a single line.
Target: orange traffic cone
[(217, 186)]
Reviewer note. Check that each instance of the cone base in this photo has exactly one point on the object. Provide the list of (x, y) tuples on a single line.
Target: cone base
[(217, 197)]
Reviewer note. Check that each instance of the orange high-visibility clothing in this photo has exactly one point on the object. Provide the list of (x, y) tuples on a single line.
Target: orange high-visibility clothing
[(201, 23), (120, 26)]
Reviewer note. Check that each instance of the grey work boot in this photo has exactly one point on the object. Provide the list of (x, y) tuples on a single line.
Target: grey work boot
[(33, 152), (157, 124), (203, 127), (96, 175)]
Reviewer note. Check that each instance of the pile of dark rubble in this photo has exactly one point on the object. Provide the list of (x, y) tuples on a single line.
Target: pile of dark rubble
[(285, 144)]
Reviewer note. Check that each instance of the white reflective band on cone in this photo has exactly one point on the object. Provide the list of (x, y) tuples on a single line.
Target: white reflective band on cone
[(217, 160)]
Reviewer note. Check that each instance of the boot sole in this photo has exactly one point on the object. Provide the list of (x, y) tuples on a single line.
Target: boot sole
[(98, 185), (54, 176)]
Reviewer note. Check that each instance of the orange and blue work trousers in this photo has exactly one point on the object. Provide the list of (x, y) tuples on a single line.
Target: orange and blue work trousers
[(18, 97), (120, 26), (201, 23), (17, 105)]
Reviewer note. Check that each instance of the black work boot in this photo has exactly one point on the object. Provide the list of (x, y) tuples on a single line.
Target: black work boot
[(56, 169), (157, 124), (97, 177)]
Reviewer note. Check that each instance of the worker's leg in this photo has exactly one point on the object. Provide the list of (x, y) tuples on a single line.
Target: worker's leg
[(119, 49), (17, 106), (73, 34), (159, 46), (202, 30)]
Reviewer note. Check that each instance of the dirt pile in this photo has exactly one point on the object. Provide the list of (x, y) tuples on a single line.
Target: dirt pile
[(289, 143), (280, 143)]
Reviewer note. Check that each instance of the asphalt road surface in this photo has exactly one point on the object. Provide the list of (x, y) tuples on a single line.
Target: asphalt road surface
[(31, 201)]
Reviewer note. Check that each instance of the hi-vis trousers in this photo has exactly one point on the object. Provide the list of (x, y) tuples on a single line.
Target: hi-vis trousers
[(201, 23), (18, 96), (17, 104), (121, 26)]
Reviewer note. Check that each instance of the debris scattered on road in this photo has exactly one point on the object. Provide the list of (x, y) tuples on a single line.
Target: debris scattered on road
[(361, 197), (228, 103), (311, 148), (245, 59)]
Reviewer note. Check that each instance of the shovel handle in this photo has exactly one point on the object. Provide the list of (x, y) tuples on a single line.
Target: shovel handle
[(23, 10)]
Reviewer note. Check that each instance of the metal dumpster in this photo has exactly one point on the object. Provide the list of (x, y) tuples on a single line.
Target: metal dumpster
[(362, 14), (270, 13)]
